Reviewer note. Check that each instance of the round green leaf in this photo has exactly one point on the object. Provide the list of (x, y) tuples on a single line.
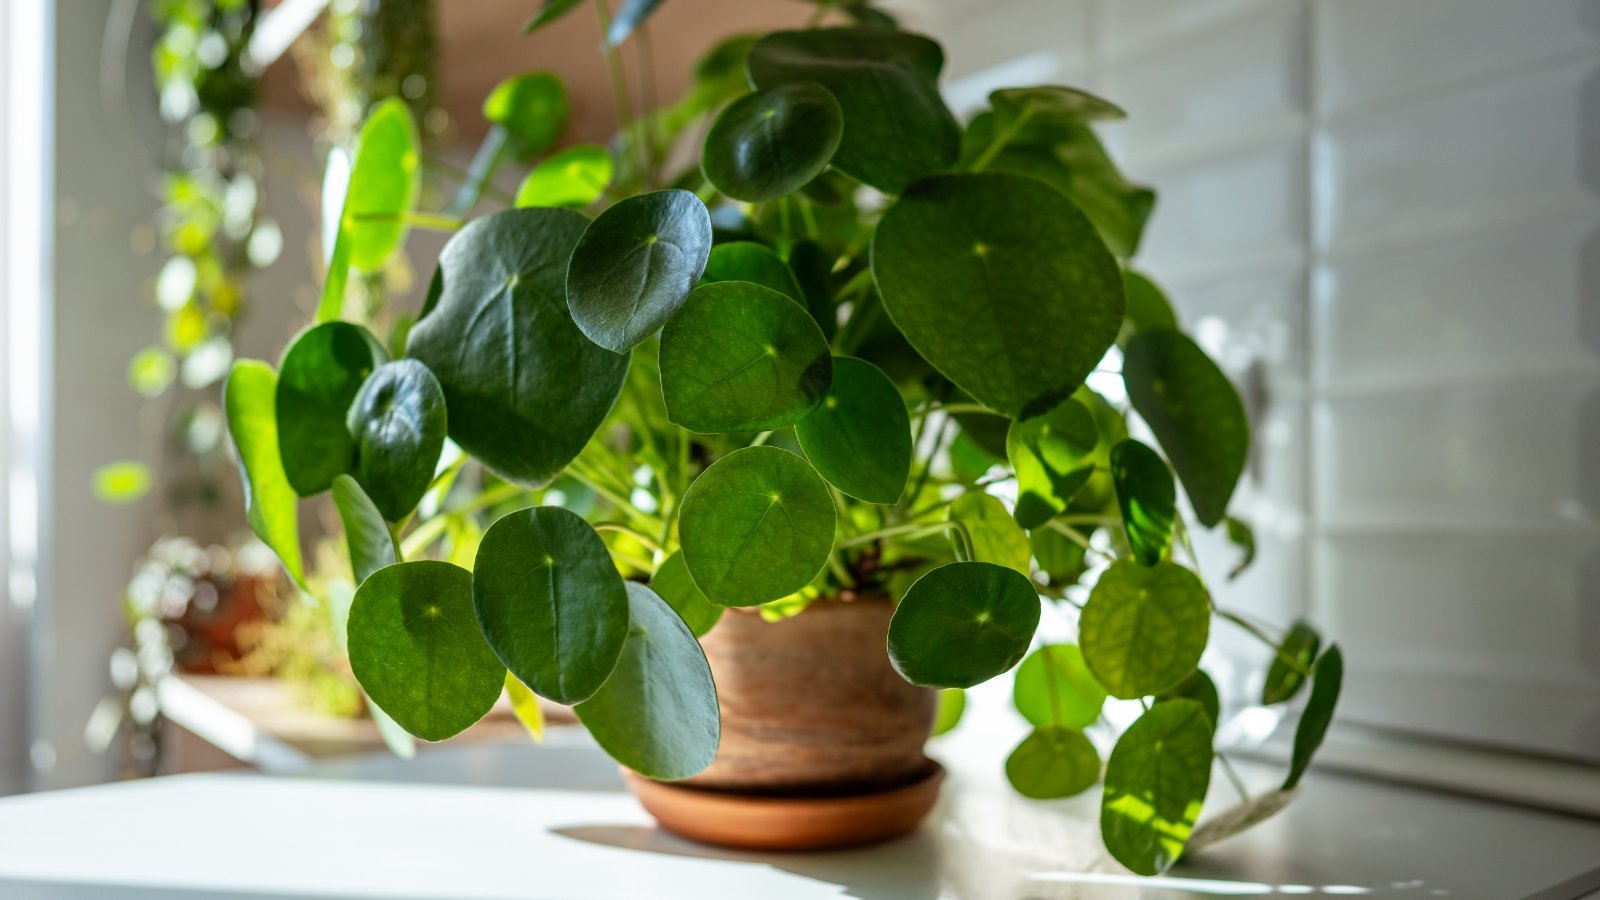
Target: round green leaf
[(319, 376), (398, 422), (250, 397), (1001, 284), (657, 713), (577, 176), (996, 537), (384, 182), (1054, 687), (635, 265), (741, 357), (1201, 689), (1147, 498), (1052, 458), (771, 142), (1051, 105), (1148, 308), (1326, 681), (673, 583), (525, 389), (860, 437), (755, 263), (963, 623), (952, 704), (1294, 655), (550, 601), (1156, 782), (1053, 762), (417, 652), (1195, 414), (896, 127), (532, 107), (756, 526), (1144, 627), (365, 533)]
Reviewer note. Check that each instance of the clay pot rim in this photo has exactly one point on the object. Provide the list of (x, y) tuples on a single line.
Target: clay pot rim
[(931, 773)]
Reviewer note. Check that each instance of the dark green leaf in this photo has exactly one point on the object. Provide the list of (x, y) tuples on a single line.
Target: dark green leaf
[(1148, 307), (632, 14), (549, 11), (771, 142), (1156, 782), (384, 181), (1293, 658), (1201, 689), (550, 601), (741, 357), (755, 263), (1050, 455), (635, 265), (1005, 288), (952, 704), (398, 423), (963, 623), (319, 376), (673, 583), (1195, 414), (812, 267), (1053, 762), (577, 176), (270, 504), (1052, 106), (756, 526), (896, 127), (1243, 537), (1059, 556), (860, 437), (1054, 687), (365, 533), (417, 652), (1326, 681), (1147, 497), (525, 389), (532, 108), (1144, 627), (996, 537), (657, 713)]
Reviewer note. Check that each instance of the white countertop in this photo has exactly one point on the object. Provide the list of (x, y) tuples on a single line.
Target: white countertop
[(514, 820)]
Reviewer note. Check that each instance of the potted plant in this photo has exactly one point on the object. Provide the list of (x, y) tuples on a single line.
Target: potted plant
[(708, 454)]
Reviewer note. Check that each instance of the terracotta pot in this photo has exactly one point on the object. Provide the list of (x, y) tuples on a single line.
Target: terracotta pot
[(811, 711)]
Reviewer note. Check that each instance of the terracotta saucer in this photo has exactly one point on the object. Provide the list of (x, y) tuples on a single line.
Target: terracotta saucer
[(766, 822)]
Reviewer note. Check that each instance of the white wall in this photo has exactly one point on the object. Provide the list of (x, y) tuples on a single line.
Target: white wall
[(1392, 211)]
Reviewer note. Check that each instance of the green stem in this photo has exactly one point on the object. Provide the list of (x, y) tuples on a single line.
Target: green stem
[(836, 565), (430, 221), (952, 409), (918, 529), (927, 466), (760, 439), (1233, 776), (484, 163), (624, 529), (1001, 139), (1255, 631), (619, 83), (1078, 538)]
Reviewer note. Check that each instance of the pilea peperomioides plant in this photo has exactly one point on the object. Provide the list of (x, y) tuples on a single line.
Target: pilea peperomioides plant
[(797, 370)]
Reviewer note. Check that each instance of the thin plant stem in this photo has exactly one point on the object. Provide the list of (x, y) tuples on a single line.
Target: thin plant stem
[(951, 409), (1078, 538), (1233, 776), (630, 532), (1256, 632), (429, 221), (760, 439), (619, 83), (927, 466), (1002, 139)]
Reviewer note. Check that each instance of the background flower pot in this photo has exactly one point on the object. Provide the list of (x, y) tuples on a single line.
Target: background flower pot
[(821, 739)]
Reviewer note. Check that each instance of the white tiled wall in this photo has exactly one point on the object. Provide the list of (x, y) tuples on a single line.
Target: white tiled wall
[(1383, 217)]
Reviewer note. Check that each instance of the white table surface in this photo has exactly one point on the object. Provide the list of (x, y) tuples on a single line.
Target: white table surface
[(514, 820)]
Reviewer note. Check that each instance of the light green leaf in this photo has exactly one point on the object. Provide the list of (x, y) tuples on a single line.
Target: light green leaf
[(741, 357), (1003, 286), (673, 583), (860, 437), (896, 127), (384, 181), (417, 652), (1051, 105), (550, 602), (1327, 679), (996, 537), (532, 108), (1144, 627), (249, 395), (1156, 782), (319, 376), (1147, 498), (365, 533), (577, 176), (657, 713), (756, 526), (963, 623), (121, 482), (755, 263), (772, 142), (1052, 457), (1053, 762), (1054, 687), (398, 423), (529, 402), (525, 706), (952, 704), (1293, 656), (1195, 413)]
